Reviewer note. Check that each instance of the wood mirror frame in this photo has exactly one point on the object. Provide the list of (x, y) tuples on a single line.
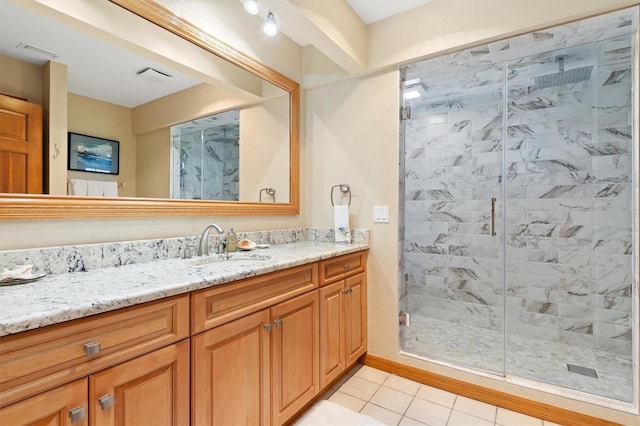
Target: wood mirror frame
[(29, 206)]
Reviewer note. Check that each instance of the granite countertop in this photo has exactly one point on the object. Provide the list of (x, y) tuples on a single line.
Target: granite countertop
[(58, 298)]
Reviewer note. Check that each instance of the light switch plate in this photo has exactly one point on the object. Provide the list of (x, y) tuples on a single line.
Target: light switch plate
[(381, 214)]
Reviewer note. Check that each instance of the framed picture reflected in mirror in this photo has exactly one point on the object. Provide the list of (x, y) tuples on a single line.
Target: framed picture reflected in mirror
[(93, 154)]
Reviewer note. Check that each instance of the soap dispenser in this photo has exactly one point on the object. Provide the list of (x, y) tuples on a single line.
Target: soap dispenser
[(232, 241)]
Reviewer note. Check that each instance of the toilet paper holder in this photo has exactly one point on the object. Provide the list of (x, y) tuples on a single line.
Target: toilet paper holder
[(344, 188)]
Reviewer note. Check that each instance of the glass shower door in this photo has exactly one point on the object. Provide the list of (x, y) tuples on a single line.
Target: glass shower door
[(453, 262), (539, 128), (569, 217)]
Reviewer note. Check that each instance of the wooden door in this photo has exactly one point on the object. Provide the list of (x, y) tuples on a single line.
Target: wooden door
[(332, 351), (149, 390), (355, 311), (230, 373), (20, 146), (51, 408), (295, 351)]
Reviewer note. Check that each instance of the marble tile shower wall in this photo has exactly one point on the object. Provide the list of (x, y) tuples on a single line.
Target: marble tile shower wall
[(215, 162), (567, 232)]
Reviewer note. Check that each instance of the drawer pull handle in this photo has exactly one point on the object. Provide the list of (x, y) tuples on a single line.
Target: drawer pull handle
[(268, 327), (106, 401), (91, 348), (277, 323), (77, 413), (347, 266), (346, 291)]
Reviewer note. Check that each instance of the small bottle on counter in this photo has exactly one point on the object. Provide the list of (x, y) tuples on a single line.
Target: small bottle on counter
[(232, 241)]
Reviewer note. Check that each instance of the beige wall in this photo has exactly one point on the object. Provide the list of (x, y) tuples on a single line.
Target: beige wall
[(105, 120), (153, 164), (352, 136), (264, 149), (21, 79), (55, 123)]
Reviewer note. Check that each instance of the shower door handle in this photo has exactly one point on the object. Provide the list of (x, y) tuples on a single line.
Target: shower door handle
[(493, 217)]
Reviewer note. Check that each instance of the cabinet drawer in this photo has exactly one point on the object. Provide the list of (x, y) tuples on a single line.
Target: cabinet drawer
[(36, 360), (338, 268), (221, 304)]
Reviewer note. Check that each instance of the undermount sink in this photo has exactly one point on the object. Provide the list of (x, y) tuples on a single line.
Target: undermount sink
[(228, 259)]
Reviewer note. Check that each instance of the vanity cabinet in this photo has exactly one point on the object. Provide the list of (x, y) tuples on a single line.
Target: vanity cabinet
[(123, 354), (260, 368), (246, 352), (343, 314)]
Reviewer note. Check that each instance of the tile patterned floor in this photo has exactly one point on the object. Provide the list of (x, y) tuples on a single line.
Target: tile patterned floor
[(397, 401), (535, 359)]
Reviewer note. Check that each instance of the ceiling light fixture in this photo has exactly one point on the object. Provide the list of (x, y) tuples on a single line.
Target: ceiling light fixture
[(251, 6), (270, 28), (411, 94)]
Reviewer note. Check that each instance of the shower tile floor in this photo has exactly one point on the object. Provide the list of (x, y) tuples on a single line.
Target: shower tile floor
[(532, 359)]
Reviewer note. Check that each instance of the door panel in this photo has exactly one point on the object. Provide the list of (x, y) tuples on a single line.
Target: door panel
[(355, 314), (453, 242), (21, 151), (332, 319), (50, 408), (230, 373), (570, 217), (149, 390), (295, 365)]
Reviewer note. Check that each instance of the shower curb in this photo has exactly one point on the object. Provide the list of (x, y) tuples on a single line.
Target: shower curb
[(490, 396)]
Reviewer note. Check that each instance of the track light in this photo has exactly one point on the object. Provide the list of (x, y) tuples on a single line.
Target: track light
[(270, 27), (251, 6)]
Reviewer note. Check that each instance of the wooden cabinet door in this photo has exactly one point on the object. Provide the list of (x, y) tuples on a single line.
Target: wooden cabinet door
[(51, 408), (295, 350), (149, 390), (20, 146), (332, 329), (355, 312), (230, 373)]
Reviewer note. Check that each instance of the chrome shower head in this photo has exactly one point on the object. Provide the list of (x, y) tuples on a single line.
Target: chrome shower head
[(562, 77)]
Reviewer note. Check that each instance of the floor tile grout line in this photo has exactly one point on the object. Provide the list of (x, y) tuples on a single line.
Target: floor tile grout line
[(413, 396)]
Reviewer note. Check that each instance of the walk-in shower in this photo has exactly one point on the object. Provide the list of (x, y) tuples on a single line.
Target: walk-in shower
[(520, 208), (205, 158)]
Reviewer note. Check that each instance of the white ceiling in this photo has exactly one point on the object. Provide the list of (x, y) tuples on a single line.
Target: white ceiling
[(375, 10), (96, 68), (92, 69)]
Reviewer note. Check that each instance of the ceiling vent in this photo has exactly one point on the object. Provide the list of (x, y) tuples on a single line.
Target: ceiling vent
[(37, 50), (155, 76)]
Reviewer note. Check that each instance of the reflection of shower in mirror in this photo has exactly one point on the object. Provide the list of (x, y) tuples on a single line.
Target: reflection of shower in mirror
[(205, 158), (268, 191)]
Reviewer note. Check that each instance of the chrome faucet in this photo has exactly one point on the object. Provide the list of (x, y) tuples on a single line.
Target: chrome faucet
[(203, 247)]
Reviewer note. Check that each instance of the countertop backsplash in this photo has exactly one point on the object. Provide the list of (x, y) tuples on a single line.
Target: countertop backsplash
[(86, 257)]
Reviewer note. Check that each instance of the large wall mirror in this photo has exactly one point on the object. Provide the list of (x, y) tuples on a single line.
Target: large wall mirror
[(201, 129)]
